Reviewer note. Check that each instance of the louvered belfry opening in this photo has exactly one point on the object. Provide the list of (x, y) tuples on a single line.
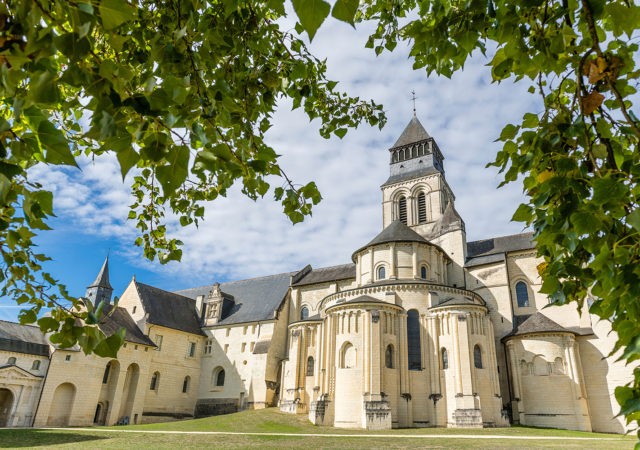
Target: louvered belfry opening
[(402, 210), (422, 208)]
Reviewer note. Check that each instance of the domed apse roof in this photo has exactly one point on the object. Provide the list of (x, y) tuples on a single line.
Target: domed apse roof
[(395, 232)]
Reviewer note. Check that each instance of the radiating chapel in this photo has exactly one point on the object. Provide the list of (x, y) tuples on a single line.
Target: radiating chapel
[(420, 329)]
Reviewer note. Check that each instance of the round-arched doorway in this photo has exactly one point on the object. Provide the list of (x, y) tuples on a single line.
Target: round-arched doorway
[(6, 405)]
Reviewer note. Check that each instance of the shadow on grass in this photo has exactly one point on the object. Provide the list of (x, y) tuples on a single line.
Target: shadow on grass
[(16, 438)]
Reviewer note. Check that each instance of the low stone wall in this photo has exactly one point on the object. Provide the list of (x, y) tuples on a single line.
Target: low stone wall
[(216, 406)]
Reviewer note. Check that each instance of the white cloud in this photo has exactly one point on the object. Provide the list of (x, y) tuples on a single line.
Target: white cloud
[(240, 238)]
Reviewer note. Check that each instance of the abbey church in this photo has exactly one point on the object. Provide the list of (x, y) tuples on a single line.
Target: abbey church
[(420, 329)]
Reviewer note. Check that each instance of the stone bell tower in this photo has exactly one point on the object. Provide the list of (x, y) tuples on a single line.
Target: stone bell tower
[(417, 194), (101, 288)]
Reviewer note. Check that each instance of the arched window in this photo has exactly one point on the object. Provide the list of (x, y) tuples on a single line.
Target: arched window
[(388, 357), (155, 381), (185, 384), (304, 313), (96, 416), (423, 272), (444, 358), (105, 376), (347, 356), (540, 366), (382, 273), (477, 357), (36, 365), (11, 360), (402, 210), (218, 377), (413, 340), (558, 366), (422, 208), (310, 366), (522, 294)]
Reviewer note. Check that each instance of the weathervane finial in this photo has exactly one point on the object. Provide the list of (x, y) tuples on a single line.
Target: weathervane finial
[(413, 98)]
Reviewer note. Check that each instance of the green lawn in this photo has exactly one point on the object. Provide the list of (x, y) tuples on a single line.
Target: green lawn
[(272, 421)]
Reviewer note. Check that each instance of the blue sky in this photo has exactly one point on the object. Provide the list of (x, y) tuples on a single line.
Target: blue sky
[(242, 239)]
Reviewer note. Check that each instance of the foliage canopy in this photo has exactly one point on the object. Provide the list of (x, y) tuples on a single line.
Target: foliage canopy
[(184, 91)]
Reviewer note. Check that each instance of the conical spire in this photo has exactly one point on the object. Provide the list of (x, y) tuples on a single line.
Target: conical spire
[(413, 132), (102, 280)]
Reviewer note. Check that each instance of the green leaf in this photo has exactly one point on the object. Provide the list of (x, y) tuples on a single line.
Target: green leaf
[(311, 14), (624, 19), (27, 316), (115, 12), (633, 219), (43, 88), (127, 158), (108, 348), (172, 175), (345, 10), (56, 145), (522, 214), (585, 222), (509, 132)]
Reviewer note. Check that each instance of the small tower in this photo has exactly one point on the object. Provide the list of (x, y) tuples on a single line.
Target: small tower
[(418, 195), (213, 306), (100, 289)]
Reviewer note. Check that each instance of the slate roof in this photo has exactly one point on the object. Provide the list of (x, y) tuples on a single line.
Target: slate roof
[(22, 339), (255, 299), (360, 299), (102, 280), (395, 232), (326, 274), (449, 221), (457, 302), (413, 132), (115, 318), (537, 323), (493, 250), (429, 170), (169, 309)]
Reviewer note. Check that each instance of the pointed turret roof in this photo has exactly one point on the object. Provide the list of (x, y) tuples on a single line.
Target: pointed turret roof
[(413, 132), (102, 280)]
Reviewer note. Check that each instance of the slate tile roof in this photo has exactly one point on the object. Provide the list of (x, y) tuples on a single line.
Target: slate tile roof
[(255, 299), (102, 280), (27, 339), (115, 318), (493, 250), (169, 309), (429, 170), (413, 132), (536, 323), (327, 274), (395, 232)]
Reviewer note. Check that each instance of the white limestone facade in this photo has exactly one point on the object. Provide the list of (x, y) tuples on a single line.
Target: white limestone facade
[(421, 329)]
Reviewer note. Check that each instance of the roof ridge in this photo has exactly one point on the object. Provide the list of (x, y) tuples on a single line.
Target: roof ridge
[(527, 233), (136, 282), (236, 281), (333, 267), (21, 324)]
